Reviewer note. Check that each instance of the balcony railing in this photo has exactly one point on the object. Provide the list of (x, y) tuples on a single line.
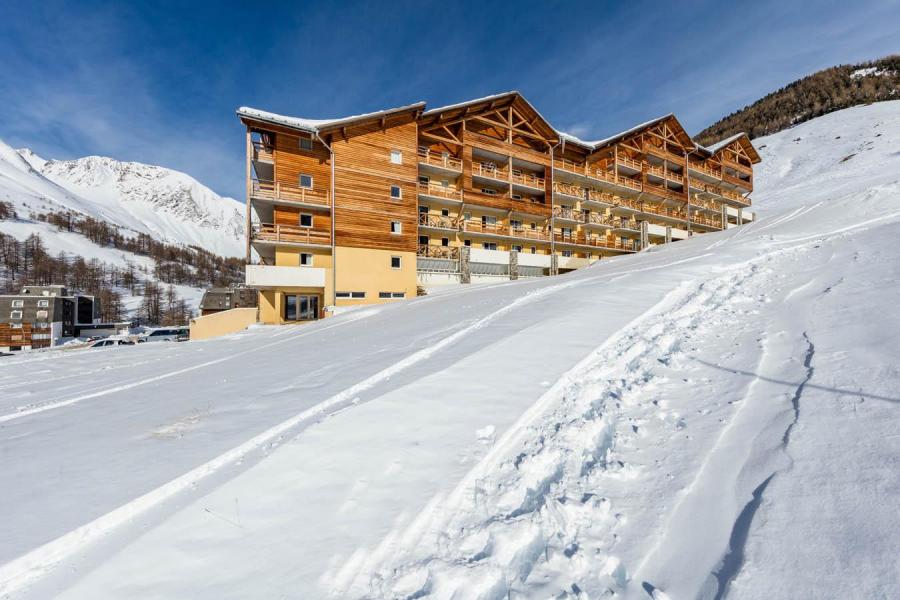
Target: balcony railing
[(568, 189), (527, 179), (433, 251), (735, 196), (438, 221), (290, 234), (665, 174), (439, 159), (275, 190), (614, 244), (598, 219), (629, 224), (707, 221), (489, 171), (477, 226), (528, 233), (628, 162), (570, 214), (441, 191), (714, 173), (727, 162), (712, 205), (263, 152), (662, 152), (601, 197), (744, 183), (564, 164)]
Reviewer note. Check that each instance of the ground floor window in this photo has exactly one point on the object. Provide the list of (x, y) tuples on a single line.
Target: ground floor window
[(387, 295), (348, 295), (301, 307)]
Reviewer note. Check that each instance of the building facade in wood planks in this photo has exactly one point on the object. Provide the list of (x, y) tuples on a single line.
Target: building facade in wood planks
[(366, 209)]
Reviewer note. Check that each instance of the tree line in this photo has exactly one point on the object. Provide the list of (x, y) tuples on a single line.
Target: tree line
[(810, 97), (28, 262)]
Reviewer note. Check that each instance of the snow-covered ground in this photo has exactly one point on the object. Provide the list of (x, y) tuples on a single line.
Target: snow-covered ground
[(713, 418)]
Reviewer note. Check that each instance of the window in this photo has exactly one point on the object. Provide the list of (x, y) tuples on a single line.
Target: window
[(423, 210), (306, 259), (445, 183), (517, 196), (354, 295), (445, 212), (396, 227), (395, 262), (43, 303), (567, 253), (306, 220), (423, 240), (533, 250), (41, 314), (423, 180), (16, 314), (396, 192), (306, 181), (489, 191), (396, 157), (445, 241), (43, 326), (517, 248), (16, 325), (488, 220), (306, 143), (567, 231), (467, 243), (18, 303), (515, 224), (489, 246), (389, 295)]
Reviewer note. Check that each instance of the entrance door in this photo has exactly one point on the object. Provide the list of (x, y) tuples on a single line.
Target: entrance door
[(301, 307)]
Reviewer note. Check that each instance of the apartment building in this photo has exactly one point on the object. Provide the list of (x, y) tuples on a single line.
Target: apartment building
[(43, 316), (365, 209)]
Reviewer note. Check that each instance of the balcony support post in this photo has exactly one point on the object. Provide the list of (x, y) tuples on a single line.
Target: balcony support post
[(513, 265), (465, 269)]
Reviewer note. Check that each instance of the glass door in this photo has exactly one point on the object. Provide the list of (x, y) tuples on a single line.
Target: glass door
[(301, 307)]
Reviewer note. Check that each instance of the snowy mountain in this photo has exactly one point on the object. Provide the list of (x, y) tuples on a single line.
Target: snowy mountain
[(166, 204), (712, 418)]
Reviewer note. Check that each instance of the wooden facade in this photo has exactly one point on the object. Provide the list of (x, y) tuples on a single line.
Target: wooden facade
[(490, 174)]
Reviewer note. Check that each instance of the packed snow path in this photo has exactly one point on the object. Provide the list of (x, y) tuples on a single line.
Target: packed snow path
[(714, 418)]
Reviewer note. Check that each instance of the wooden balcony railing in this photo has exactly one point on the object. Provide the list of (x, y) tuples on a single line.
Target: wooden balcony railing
[(290, 234), (628, 162), (712, 205), (629, 224), (727, 162), (602, 197), (489, 171), (735, 196), (439, 221), (700, 219), (441, 191), (744, 183), (613, 244), (663, 152), (567, 189), (570, 214), (527, 179), (433, 251), (663, 192), (275, 190), (439, 159), (529, 234), (706, 169), (630, 183), (479, 226), (263, 152), (598, 219), (564, 164)]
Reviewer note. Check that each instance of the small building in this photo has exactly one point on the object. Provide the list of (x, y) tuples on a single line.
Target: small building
[(218, 299), (43, 316)]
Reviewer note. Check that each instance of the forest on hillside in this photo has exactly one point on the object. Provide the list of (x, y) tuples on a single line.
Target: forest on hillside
[(823, 92), (28, 262)]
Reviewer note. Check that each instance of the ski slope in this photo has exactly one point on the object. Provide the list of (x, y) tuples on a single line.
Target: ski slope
[(714, 418)]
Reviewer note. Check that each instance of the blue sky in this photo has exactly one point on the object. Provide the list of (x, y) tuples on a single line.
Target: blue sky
[(159, 83)]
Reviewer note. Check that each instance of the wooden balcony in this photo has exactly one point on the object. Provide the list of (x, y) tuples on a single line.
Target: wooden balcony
[(664, 174), (744, 183), (437, 190), (568, 214), (603, 198), (439, 222), (626, 224), (707, 205), (489, 171), (711, 222), (275, 190), (564, 164), (599, 220), (628, 162), (504, 230), (530, 207), (726, 162), (441, 160), (705, 169), (526, 233), (567, 189), (527, 179), (263, 152), (663, 192), (433, 251), (663, 152), (735, 197), (290, 234), (610, 244)]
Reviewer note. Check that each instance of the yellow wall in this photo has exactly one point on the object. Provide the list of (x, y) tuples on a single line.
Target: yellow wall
[(222, 323), (369, 271)]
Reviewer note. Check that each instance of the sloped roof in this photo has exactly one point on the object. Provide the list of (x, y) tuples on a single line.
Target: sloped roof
[(319, 125), (512, 96), (595, 144), (745, 142)]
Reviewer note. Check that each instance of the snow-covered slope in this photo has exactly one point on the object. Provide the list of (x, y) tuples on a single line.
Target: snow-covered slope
[(169, 205), (713, 418)]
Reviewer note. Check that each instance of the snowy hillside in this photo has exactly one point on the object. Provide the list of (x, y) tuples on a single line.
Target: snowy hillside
[(713, 418), (170, 206)]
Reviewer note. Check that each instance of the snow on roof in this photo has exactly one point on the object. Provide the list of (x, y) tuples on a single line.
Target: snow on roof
[(315, 125), (722, 143), (598, 143), (432, 111)]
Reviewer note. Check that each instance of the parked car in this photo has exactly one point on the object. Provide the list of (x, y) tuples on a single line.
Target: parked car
[(167, 334), (110, 342)]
